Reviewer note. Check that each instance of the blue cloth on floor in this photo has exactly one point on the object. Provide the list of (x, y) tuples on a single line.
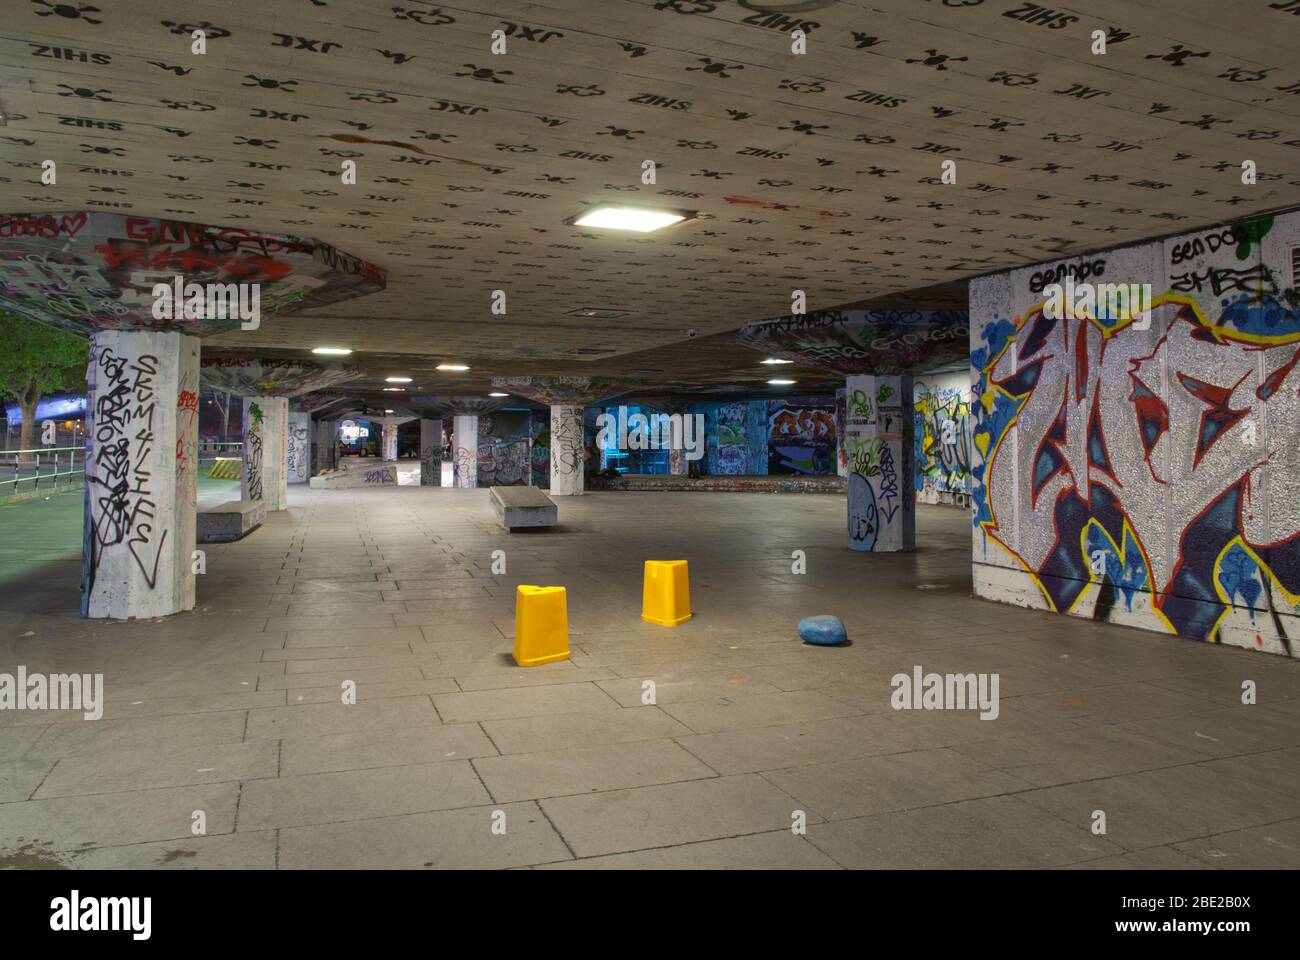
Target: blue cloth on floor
[(824, 631)]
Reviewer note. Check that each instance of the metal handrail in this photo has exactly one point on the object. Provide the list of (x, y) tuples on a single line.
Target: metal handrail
[(14, 460)]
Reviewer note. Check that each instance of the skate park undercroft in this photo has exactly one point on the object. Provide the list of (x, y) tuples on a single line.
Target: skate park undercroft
[(650, 434)]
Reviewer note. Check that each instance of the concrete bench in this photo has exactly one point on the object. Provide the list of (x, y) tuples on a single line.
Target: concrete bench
[(377, 475), (523, 507), (231, 521)]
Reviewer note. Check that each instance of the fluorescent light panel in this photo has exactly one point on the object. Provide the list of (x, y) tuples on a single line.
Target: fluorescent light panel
[(636, 219)]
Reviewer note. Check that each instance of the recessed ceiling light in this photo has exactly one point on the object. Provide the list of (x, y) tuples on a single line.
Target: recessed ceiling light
[(397, 379), (457, 367), (388, 411), (636, 219), (498, 394), (780, 383), (773, 361), (394, 389), (332, 351)]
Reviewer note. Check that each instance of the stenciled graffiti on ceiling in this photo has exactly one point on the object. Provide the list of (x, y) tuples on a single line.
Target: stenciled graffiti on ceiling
[(823, 170)]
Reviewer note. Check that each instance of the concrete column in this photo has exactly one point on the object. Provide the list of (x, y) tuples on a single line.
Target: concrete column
[(841, 449), (878, 427), (141, 474), (265, 439), (323, 445), (389, 450), (330, 432), (566, 450), (430, 453), (298, 451), (466, 435)]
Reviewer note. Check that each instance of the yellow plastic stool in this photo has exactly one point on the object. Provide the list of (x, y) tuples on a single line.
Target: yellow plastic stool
[(666, 599), (541, 625)]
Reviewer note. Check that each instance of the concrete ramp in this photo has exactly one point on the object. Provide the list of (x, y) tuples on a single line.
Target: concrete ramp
[(380, 475), (523, 507), (230, 521)]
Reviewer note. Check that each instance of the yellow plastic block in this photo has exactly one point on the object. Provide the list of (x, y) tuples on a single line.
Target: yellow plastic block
[(666, 599), (541, 625)]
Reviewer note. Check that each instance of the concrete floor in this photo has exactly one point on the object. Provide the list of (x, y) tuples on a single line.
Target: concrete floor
[(234, 709)]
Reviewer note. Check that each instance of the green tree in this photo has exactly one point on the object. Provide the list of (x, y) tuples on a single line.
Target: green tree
[(35, 361)]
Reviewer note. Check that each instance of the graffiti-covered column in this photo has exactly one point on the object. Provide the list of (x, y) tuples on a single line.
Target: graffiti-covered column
[(265, 435), (466, 434), (878, 444), (298, 450), (389, 449), (141, 474), (430, 452), (566, 450), (841, 450)]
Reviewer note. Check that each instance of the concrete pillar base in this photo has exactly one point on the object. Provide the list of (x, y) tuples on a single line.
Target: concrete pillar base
[(566, 450), (390, 441), (265, 438), (878, 445), (141, 474), (466, 431), (430, 453), (298, 454)]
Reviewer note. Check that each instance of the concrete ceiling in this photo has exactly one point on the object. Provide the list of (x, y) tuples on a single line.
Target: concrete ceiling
[(818, 172)]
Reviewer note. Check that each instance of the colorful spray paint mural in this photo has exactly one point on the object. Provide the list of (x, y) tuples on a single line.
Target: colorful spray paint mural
[(735, 438), (732, 456), (1146, 471), (801, 436), (941, 433)]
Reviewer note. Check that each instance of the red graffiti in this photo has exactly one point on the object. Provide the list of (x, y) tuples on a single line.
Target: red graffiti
[(188, 400), (213, 239), (124, 254), (46, 226)]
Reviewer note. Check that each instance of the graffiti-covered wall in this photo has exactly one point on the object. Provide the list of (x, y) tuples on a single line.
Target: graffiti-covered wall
[(941, 435), (1146, 470), (801, 436)]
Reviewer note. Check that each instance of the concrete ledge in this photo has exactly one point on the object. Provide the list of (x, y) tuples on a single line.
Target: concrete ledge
[(380, 475), (523, 507), (231, 521)]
